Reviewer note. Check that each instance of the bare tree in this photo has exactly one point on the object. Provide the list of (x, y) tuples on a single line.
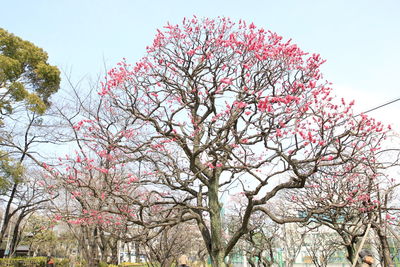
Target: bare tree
[(322, 245), (25, 195), (172, 242)]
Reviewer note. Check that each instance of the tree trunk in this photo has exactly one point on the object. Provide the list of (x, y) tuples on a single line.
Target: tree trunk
[(16, 238), (387, 258), (7, 216), (217, 252), (351, 250), (128, 245), (114, 252), (90, 247), (14, 241), (137, 258)]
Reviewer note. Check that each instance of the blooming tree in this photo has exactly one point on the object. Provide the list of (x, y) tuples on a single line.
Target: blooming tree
[(227, 104), (349, 201), (95, 180)]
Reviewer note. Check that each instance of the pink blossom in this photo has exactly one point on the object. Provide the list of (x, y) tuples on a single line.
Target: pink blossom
[(226, 80)]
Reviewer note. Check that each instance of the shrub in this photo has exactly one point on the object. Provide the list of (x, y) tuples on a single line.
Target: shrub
[(31, 262)]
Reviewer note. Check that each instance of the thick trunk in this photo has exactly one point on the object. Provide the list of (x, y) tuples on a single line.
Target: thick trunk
[(351, 250), (94, 258), (90, 246), (387, 258), (217, 259), (217, 252)]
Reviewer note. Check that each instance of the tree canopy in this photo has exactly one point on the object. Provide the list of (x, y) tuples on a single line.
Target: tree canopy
[(218, 121), (25, 74), (216, 105)]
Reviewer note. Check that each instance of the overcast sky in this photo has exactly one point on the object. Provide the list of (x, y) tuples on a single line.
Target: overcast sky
[(360, 39)]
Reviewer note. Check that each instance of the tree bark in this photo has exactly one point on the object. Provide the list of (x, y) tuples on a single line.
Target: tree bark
[(7, 215), (137, 251), (217, 252), (387, 258), (16, 234), (114, 255)]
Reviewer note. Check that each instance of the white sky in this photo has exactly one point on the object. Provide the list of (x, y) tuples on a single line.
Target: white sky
[(360, 39)]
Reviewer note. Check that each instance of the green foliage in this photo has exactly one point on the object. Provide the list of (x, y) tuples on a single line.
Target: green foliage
[(25, 78), (10, 171), (32, 262), (25, 74), (38, 234), (131, 264), (62, 262)]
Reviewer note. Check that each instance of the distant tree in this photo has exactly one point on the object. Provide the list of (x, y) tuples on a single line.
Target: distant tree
[(31, 197), (291, 238), (340, 203), (97, 180), (321, 246), (23, 193), (172, 242), (262, 241), (39, 235), (353, 200)]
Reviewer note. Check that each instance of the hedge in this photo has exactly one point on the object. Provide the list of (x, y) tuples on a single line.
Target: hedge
[(31, 262)]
